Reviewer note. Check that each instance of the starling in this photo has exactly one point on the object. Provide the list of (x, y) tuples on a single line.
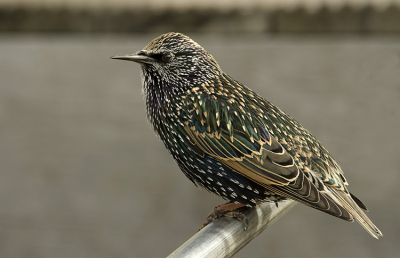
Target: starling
[(233, 142)]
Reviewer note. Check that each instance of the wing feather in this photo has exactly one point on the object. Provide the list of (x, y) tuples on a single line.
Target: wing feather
[(295, 167)]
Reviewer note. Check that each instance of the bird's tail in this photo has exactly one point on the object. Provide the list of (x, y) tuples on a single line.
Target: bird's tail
[(352, 205)]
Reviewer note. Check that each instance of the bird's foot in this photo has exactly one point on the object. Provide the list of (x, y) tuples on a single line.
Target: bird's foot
[(229, 209)]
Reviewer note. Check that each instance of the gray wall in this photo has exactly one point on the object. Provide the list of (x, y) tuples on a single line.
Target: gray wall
[(83, 175)]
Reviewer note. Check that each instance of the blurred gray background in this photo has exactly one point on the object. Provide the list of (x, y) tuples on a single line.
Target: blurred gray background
[(83, 175)]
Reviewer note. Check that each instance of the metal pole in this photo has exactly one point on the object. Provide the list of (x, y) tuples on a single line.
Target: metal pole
[(226, 236)]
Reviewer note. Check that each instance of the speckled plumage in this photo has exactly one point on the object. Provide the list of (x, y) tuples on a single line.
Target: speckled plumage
[(233, 142)]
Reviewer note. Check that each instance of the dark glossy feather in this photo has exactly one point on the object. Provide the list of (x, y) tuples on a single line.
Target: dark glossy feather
[(233, 142)]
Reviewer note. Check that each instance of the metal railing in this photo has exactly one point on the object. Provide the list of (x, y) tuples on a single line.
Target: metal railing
[(226, 236)]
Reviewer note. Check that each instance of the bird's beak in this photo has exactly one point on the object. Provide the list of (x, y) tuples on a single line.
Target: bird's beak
[(135, 58)]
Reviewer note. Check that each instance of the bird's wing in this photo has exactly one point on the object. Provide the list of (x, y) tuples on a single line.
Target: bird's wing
[(240, 138), (266, 164), (245, 145)]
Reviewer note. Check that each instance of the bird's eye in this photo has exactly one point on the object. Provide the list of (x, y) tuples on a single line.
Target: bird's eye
[(168, 57), (141, 53), (162, 57)]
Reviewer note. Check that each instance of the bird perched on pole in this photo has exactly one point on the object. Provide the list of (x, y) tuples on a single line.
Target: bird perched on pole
[(233, 142)]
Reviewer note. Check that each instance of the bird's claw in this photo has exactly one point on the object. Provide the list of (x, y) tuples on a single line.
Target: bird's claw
[(227, 210)]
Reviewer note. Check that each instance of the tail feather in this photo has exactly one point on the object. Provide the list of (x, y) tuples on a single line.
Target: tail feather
[(327, 199), (353, 207), (359, 203)]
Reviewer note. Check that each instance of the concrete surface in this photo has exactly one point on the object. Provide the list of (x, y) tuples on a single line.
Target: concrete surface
[(310, 5), (234, 16), (82, 174)]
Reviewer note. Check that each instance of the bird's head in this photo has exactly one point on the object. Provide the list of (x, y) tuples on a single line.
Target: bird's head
[(174, 61)]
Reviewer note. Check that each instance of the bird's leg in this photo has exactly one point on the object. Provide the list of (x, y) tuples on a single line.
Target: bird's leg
[(229, 209)]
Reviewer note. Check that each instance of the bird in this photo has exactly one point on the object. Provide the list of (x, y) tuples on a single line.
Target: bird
[(233, 142)]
